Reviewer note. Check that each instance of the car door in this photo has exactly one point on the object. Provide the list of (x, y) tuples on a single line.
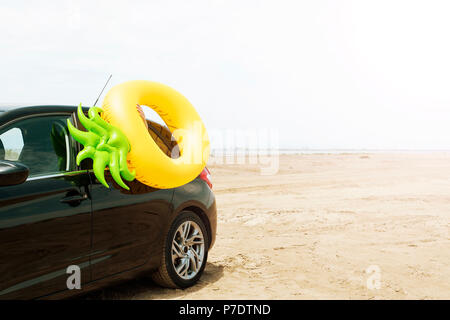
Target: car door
[(45, 222)]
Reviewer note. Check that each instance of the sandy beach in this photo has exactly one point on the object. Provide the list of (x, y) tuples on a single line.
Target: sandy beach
[(319, 227)]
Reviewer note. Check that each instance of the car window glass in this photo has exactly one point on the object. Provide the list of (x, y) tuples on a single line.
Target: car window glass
[(41, 143), (11, 144)]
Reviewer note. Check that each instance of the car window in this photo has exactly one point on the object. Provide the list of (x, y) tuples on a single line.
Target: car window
[(41, 143)]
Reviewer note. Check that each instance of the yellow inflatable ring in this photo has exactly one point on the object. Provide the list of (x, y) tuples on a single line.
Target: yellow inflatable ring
[(152, 166)]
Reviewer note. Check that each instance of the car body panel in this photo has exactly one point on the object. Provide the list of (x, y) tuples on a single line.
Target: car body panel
[(204, 204), (126, 226)]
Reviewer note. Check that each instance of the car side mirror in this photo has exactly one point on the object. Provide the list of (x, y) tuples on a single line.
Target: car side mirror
[(12, 173)]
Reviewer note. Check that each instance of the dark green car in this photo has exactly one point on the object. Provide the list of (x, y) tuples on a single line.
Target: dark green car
[(63, 233)]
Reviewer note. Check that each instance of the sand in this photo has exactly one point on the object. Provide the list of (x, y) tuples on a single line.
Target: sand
[(349, 226)]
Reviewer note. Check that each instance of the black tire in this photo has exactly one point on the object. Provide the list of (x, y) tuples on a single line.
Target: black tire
[(166, 275)]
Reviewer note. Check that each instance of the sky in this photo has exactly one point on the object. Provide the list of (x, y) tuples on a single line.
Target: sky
[(324, 74)]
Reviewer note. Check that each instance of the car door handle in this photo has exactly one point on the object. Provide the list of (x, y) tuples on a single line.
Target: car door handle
[(76, 198)]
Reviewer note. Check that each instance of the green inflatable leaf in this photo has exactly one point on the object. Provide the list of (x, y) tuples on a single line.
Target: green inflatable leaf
[(105, 144)]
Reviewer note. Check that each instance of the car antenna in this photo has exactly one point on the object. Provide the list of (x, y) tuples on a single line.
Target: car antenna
[(110, 76)]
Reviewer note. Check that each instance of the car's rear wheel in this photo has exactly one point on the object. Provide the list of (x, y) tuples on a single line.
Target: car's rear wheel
[(185, 252)]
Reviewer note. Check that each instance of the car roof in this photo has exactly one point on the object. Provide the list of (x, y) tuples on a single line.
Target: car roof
[(11, 112)]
